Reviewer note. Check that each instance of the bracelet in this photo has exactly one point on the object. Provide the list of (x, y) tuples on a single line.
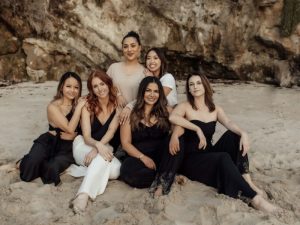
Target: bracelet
[(141, 156)]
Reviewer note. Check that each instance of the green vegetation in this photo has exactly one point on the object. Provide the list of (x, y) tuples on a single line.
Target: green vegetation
[(290, 16)]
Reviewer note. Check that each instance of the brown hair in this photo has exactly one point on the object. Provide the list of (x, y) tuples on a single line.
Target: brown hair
[(93, 105), (59, 92), (159, 110), (208, 95)]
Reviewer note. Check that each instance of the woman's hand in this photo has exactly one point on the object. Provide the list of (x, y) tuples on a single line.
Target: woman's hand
[(149, 163), (174, 146), (124, 115), (81, 101), (104, 151), (244, 143), (121, 101), (147, 72), (202, 143), (90, 156)]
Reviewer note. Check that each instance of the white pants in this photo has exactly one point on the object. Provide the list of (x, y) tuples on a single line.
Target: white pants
[(97, 174)]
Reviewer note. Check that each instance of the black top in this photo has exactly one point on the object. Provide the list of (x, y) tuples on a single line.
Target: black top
[(192, 139), (98, 129), (69, 117)]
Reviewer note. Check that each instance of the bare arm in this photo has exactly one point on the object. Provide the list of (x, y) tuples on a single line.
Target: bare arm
[(230, 125), (59, 120), (177, 117), (167, 90), (126, 140)]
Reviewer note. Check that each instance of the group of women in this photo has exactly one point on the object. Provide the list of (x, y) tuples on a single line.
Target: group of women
[(137, 107)]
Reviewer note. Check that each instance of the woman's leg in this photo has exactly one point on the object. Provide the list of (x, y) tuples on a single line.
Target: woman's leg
[(136, 174), (169, 166), (30, 165), (230, 143)]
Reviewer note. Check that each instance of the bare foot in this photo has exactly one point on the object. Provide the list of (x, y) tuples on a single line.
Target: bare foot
[(259, 203), (80, 203), (158, 192), (253, 186), (8, 167)]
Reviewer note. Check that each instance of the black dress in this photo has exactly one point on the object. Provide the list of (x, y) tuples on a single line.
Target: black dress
[(48, 157), (98, 130), (220, 165), (151, 141)]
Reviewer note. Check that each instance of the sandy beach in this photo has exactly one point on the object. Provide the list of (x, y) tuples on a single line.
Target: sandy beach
[(269, 114)]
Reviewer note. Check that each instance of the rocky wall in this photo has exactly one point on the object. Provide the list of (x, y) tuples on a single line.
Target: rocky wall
[(230, 39)]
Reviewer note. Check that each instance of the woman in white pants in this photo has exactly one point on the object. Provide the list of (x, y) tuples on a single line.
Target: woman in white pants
[(94, 150)]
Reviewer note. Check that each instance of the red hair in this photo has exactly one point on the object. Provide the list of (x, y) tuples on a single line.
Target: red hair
[(93, 105)]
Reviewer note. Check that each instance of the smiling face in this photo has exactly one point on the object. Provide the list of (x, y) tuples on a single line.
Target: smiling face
[(153, 63), (151, 94), (71, 88), (131, 49), (100, 88), (196, 87)]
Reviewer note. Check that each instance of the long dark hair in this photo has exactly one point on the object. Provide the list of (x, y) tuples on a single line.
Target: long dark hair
[(208, 95), (159, 110), (162, 57), (59, 91), (134, 35), (93, 105)]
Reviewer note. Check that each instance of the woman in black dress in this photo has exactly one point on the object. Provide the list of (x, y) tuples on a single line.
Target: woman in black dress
[(51, 152), (145, 136), (223, 165)]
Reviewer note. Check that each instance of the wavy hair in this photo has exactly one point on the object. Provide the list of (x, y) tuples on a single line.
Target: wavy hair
[(59, 91), (208, 95), (93, 104), (163, 60), (159, 110)]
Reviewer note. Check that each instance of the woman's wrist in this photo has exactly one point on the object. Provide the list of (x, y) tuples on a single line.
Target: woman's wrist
[(141, 156)]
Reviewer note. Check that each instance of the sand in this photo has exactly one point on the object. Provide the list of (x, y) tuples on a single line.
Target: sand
[(269, 114)]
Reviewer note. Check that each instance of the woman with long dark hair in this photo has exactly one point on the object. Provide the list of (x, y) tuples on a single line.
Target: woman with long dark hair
[(51, 152), (156, 63), (145, 136), (224, 165), (94, 150)]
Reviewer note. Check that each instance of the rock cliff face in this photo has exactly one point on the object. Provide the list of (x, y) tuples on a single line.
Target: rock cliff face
[(233, 39)]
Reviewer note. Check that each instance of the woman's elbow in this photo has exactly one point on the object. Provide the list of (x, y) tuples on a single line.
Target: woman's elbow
[(172, 118)]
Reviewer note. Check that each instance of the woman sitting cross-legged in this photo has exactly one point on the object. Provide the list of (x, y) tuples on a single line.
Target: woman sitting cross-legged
[(94, 150)]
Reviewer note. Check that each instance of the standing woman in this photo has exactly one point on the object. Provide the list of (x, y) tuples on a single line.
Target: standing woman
[(127, 74), (144, 136), (224, 165), (94, 151), (51, 152), (156, 63)]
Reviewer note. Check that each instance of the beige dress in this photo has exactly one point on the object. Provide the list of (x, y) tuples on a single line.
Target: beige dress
[(126, 83)]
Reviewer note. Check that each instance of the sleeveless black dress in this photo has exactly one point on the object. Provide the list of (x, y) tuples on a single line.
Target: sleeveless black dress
[(220, 165), (151, 141), (48, 157), (98, 130)]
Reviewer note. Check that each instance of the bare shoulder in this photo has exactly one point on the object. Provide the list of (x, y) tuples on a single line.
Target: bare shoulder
[(182, 106), (53, 105), (219, 108)]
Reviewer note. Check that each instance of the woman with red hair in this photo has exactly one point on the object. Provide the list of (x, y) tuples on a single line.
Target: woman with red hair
[(93, 150)]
